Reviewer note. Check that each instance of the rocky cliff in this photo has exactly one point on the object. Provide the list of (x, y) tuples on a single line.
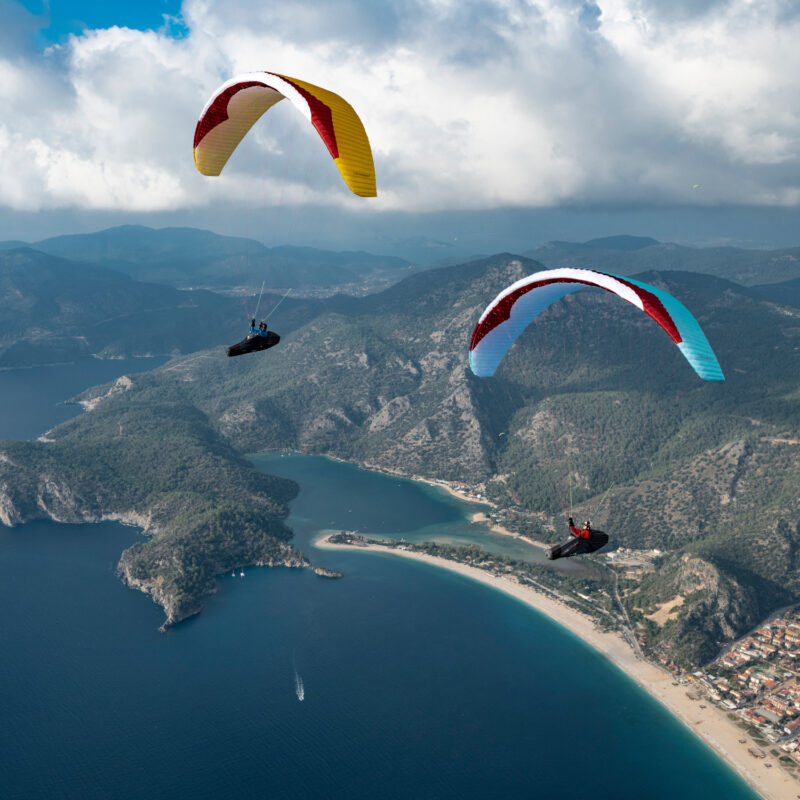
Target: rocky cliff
[(202, 507), (592, 408)]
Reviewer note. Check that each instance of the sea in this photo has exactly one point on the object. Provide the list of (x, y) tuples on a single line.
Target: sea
[(399, 680)]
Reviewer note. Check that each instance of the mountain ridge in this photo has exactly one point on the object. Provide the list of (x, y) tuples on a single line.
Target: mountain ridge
[(592, 401), (186, 257), (627, 255)]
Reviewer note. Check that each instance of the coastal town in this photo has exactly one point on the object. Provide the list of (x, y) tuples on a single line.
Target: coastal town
[(760, 750), (757, 682)]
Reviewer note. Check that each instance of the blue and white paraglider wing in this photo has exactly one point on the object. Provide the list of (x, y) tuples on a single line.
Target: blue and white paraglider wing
[(518, 305)]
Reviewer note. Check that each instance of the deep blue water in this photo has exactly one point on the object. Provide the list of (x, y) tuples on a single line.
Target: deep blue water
[(418, 682), (34, 400)]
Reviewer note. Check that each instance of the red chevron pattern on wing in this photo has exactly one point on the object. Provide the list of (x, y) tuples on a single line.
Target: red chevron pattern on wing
[(217, 112), (321, 117), (652, 306)]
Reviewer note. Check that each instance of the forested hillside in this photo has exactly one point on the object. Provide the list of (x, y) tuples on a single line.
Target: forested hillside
[(593, 401), (594, 389), (160, 466)]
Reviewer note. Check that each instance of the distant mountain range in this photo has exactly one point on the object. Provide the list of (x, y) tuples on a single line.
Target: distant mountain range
[(785, 292), (627, 255), (190, 258), (53, 310)]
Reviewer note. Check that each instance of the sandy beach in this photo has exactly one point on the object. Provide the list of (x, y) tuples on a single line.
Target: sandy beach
[(710, 724), (454, 492)]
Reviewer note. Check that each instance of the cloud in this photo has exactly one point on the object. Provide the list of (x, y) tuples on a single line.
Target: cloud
[(488, 104)]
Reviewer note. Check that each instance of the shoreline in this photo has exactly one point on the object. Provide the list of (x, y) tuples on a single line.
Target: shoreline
[(478, 516), (710, 724), (463, 496), (495, 527)]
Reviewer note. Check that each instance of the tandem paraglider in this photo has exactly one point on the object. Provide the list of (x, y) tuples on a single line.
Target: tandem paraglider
[(582, 541), (260, 338)]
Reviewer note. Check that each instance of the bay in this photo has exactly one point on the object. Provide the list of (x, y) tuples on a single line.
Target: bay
[(34, 399), (418, 683)]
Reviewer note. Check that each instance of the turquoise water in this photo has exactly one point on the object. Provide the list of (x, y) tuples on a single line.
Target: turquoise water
[(386, 507), (419, 683)]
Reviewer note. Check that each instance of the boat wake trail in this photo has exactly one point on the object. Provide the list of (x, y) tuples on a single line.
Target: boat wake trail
[(299, 689)]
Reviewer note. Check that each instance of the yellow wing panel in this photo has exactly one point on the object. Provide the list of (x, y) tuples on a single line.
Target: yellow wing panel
[(355, 155)]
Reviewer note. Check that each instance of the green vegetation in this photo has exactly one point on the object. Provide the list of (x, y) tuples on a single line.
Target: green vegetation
[(162, 467), (203, 541), (593, 395)]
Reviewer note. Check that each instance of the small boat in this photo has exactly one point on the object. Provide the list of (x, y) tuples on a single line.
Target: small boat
[(299, 688), (233, 574), (241, 574)]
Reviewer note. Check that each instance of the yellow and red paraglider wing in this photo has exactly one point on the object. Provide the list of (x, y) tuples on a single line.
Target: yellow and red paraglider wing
[(344, 135), (234, 108), (227, 117)]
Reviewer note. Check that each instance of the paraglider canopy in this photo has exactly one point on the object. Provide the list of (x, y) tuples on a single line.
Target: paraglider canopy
[(236, 105), (517, 306)]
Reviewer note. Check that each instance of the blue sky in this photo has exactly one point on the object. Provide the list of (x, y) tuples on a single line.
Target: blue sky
[(60, 19), (494, 123)]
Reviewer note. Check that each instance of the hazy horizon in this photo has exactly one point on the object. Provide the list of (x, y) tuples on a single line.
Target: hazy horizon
[(433, 237), (494, 126)]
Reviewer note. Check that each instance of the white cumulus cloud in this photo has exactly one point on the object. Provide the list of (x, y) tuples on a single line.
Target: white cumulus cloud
[(486, 104)]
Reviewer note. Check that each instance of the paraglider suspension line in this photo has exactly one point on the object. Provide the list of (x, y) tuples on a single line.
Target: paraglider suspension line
[(275, 307), (260, 294), (603, 498), (569, 475)]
